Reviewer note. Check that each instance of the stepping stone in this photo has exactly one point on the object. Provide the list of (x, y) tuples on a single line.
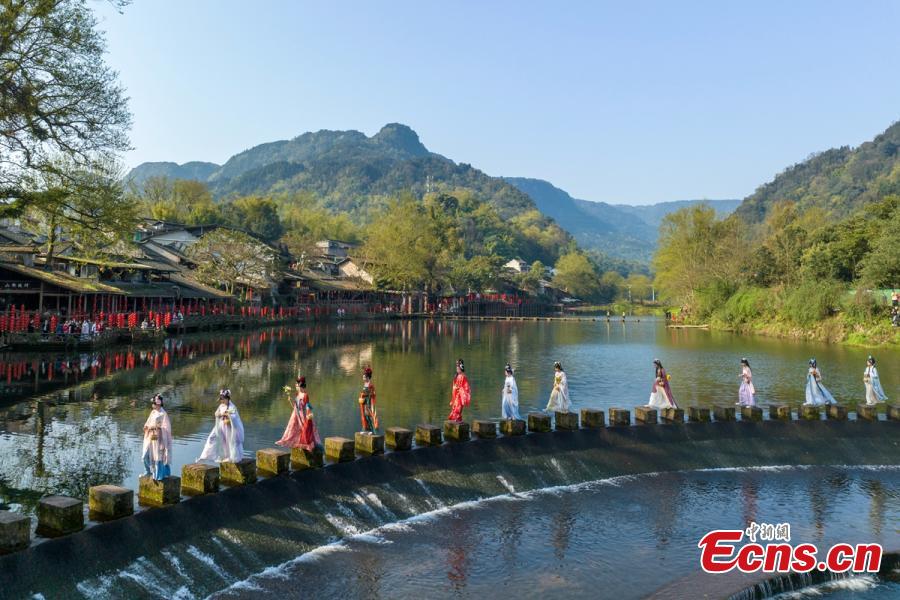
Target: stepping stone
[(619, 417), (484, 429), (751, 413), (107, 502), (273, 461), (456, 432), (592, 418), (810, 413), (199, 478), (866, 413), (159, 493), (538, 422), (512, 427), (837, 412), (398, 438), (645, 415), (339, 449), (302, 459), (368, 444), (780, 412), (724, 413), (893, 412), (566, 421), (428, 435), (698, 414), (672, 415), (241, 472), (15, 531), (59, 515)]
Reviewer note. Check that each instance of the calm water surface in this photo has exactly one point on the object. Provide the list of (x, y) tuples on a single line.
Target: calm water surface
[(71, 421)]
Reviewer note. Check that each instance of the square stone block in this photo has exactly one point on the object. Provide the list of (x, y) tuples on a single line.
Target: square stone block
[(645, 415), (199, 478), (59, 515), (672, 415), (810, 413), (538, 422), (566, 421), (456, 431), (751, 413), (273, 461), (302, 459), (368, 444), (107, 502), (866, 413), (837, 412), (512, 427), (15, 531), (241, 472), (780, 412), (339, 449), (398, 438), (619, 417), (893, 412), (724, 413), (484, 429), (428, 435), (591, 418), (159, 493), (698, 414)]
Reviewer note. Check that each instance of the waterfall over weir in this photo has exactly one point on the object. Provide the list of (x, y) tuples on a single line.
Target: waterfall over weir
[(247, 541)]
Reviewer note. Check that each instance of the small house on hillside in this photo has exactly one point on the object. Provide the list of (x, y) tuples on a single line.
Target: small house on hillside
[(517, 265)]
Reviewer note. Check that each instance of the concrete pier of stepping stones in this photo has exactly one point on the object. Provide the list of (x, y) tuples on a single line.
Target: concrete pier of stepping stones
[(368, 444), (810, 413), (398, 438), (428, 435), (273, 461), (893, 412), (751, 413), (780, 412), (645, 415), (484, 429), (15, 531), (836, 412), (538, 422), (59, 515), (199, 478), (456, 431), (512, 427), (866, 413), (698, 414), (672, 415), (302, 459), (566, 421), (724, 413), (107, 502), (159, 493), (241, 472), (339, 449), (591, 418), (619, 417)]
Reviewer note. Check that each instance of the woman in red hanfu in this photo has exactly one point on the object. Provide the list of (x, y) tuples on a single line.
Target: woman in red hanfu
[(367, 412), (301, 431), (462, 394)]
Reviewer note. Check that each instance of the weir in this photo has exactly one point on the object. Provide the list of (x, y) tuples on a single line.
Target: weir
[(404, 483)]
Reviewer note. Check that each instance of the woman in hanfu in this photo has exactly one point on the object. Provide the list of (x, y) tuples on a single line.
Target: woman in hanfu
[(816, 393), (874, 391), (157, 448), (559, 396), (509, 396), (746, 393), (301, 431), (461, 395), (367, 412), (226, 440), (660, 392)]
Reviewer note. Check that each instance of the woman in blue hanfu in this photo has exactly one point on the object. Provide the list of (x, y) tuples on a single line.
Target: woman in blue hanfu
[(157, 448), (509, 396), (816, 394), (226, 440), (874, 391)]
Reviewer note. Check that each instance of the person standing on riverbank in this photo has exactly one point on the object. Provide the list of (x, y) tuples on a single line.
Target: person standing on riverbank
[(509, 396), (874, 391), (816, 393), (367, 412), (660, 392), (461, 396), (301, 430), (226, 440), (559, 396), (157, 448), (746, 393)]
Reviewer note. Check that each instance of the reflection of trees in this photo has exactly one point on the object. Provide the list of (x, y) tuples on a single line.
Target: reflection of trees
[(877, 497), (563, 523)]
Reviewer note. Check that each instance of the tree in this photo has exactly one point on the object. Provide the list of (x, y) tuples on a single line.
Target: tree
[(225, 258), (576, 275), (881, 267), (257, 215), (57, 96), (640, 285), (530, 280)]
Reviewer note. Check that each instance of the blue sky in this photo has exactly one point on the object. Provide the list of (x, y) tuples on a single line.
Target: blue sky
[(633, 102)]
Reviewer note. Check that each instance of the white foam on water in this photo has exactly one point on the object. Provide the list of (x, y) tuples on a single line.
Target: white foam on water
[(506, 484), (176, 564), (342, 525), (432, 499), (855, 584), (362, 501), (371, 539), (788, 468), (210, 562), (38, 596), (183, 593)]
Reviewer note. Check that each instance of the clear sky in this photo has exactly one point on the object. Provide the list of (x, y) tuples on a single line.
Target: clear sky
[(633, 102)]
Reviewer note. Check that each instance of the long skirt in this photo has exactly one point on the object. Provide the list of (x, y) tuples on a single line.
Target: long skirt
[(746, 396)]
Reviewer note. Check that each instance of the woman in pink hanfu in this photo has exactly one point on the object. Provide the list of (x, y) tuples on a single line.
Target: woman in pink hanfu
[(301, 430)]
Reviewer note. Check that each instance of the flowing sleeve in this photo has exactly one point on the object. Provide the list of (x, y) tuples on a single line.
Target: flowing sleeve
[(467, 391)]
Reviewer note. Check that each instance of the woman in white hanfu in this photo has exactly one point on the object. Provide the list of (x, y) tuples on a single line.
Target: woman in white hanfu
[(559, 397), (509, 396), (226, 440), (157, 448), (660, 392), (874, 391), (816, 393)]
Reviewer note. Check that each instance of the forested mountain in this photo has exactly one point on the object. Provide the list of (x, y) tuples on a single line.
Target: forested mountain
[(197, 170), (652, 214), (837, 181)]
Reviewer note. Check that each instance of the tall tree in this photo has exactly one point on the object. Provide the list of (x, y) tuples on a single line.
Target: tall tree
[(226, 258), (576, 275)]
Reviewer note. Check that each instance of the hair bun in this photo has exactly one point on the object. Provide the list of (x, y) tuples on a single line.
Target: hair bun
[(301, 381)]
